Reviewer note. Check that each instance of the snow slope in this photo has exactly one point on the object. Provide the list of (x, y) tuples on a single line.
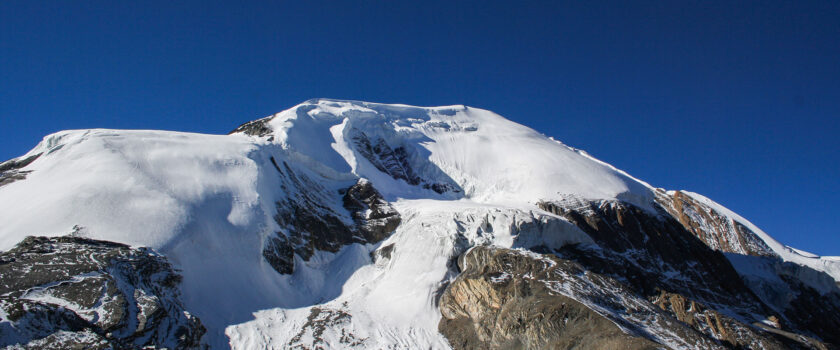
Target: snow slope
[(459, 176)]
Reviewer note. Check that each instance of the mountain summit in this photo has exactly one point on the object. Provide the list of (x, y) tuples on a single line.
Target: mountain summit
[(346, 224)]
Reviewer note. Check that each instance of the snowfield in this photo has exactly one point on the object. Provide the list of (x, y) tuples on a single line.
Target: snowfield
[(207, 202)]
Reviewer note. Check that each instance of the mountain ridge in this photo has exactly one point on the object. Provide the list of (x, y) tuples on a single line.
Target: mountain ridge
[(457, 177)]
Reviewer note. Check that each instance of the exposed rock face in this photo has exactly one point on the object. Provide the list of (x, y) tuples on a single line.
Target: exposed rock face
[(312, 224), (652, 252), (729, 331), (394, 161), (716, 230), (280, 254), (507, 299), (375, 218), (663, 260), (517, 299), (10, 171), (788, 288), (69, 292), (320, 320), (257, 127)]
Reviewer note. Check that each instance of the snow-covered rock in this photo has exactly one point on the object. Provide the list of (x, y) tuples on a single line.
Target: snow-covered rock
[(70, 292)]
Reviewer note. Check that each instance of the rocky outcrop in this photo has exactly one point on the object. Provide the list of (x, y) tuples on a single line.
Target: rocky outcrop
[(10, 170), (508, 299), (518, 299), (257, 127), (70, 292), (807, 300), (321, 320), (663, 260), (395, 161), (312, 224), (652, 252), (715, 229), (374, 217), (731, 332)]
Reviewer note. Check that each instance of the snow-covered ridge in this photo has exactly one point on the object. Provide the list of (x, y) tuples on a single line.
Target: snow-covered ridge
[(489, 158), (82, 175)]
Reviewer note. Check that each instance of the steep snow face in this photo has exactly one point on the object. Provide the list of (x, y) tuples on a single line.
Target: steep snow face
[(470, 153)]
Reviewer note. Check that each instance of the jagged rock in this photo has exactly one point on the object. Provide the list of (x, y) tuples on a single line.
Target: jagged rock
[(10, 170), (280, 254), (373, 215), (257, 128), (309, 220), (77, 293), (390, 161), (395, 162), (718, 231), (311, 224)]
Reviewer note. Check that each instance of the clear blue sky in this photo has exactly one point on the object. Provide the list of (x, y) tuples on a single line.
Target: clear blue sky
[(737, 100)]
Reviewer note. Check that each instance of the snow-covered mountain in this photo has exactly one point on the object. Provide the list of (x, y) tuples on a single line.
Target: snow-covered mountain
[(343, 224)]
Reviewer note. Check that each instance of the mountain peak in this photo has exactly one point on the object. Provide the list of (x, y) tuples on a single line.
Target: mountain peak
[(344, 222), (488, 157)]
